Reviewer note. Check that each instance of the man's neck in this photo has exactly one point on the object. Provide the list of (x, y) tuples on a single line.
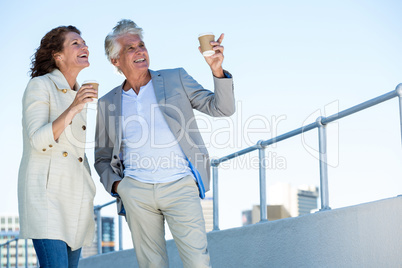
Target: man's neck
[(136, 81)]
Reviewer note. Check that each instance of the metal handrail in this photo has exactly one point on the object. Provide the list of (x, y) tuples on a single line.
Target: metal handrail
[(7, 243), (320, 123), (97, 212)]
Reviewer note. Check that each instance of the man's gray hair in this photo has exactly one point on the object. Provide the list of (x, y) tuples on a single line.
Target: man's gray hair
[(112, 47)]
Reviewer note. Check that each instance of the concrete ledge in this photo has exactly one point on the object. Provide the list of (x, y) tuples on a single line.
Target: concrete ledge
[(366, 235)]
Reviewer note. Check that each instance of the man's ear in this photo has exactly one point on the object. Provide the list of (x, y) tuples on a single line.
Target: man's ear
[(115, 62)]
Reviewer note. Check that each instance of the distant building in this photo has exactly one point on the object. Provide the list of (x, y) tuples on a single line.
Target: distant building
[(307, 197), (247, 217), (274, 212), (298, 201), (9, 229), (285, 202), (107, 234), (108, 243)]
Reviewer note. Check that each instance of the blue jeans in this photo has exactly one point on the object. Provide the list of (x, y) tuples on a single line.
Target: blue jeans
[(55, 254)]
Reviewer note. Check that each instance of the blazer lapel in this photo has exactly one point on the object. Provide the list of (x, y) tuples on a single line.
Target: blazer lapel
[(117, 115), (157, 82), (160, 94)]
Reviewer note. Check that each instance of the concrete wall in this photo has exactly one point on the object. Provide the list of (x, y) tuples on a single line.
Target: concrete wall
[(367, 235)]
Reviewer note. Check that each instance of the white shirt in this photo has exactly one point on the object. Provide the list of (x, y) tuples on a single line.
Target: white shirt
[(151, 153)]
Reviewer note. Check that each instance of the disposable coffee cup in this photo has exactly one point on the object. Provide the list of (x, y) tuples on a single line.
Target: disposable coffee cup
[(95, 85), (206, 48)]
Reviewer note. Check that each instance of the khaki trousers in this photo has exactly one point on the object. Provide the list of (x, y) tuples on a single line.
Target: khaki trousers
[(147, 205)]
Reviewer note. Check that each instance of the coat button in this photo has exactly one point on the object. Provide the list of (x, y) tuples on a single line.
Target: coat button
[(84, 127), (118, 164), (64, 90), (71, 122), (50, 146), (80, 159), (65, 154), (44, 149), (115, 156)]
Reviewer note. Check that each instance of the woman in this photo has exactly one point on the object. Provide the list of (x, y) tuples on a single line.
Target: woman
[(55, 188)]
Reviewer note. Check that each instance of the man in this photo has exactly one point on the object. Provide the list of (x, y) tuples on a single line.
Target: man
[(149, 153)]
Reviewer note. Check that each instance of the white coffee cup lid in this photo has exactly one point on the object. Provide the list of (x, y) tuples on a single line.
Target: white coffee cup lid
[(208, 53), (90, 81), (202, 34)]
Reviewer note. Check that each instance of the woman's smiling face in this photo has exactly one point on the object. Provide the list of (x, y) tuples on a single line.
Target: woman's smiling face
[(74, 54)]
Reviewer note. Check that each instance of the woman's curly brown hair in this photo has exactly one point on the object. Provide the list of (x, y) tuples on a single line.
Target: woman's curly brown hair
[(43, 61)]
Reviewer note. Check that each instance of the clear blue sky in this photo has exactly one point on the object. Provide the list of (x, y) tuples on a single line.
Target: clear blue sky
[(290, 60)]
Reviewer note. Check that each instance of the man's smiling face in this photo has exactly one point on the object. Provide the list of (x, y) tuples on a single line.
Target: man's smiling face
[(133, 55)]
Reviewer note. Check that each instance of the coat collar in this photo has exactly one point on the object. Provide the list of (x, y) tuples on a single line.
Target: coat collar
[(60, 81)]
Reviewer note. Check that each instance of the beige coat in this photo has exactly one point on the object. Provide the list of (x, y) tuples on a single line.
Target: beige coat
[(55, 188)]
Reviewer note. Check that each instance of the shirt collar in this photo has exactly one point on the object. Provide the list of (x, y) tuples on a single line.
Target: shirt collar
[(131, 92)]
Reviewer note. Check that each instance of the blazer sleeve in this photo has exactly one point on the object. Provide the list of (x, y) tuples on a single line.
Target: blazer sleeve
[(36, 113), (219, 103), (104, 151)]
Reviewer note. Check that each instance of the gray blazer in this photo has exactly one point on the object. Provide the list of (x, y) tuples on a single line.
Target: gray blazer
[(177, 94)]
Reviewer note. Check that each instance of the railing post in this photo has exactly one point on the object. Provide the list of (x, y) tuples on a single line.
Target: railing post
[(215, 198), (322, 137), (263, 182), (99, 229), (120, 233), (400, 111), (1, 256), (26, 253), (8, 254), (399, 92), (16, 253)]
